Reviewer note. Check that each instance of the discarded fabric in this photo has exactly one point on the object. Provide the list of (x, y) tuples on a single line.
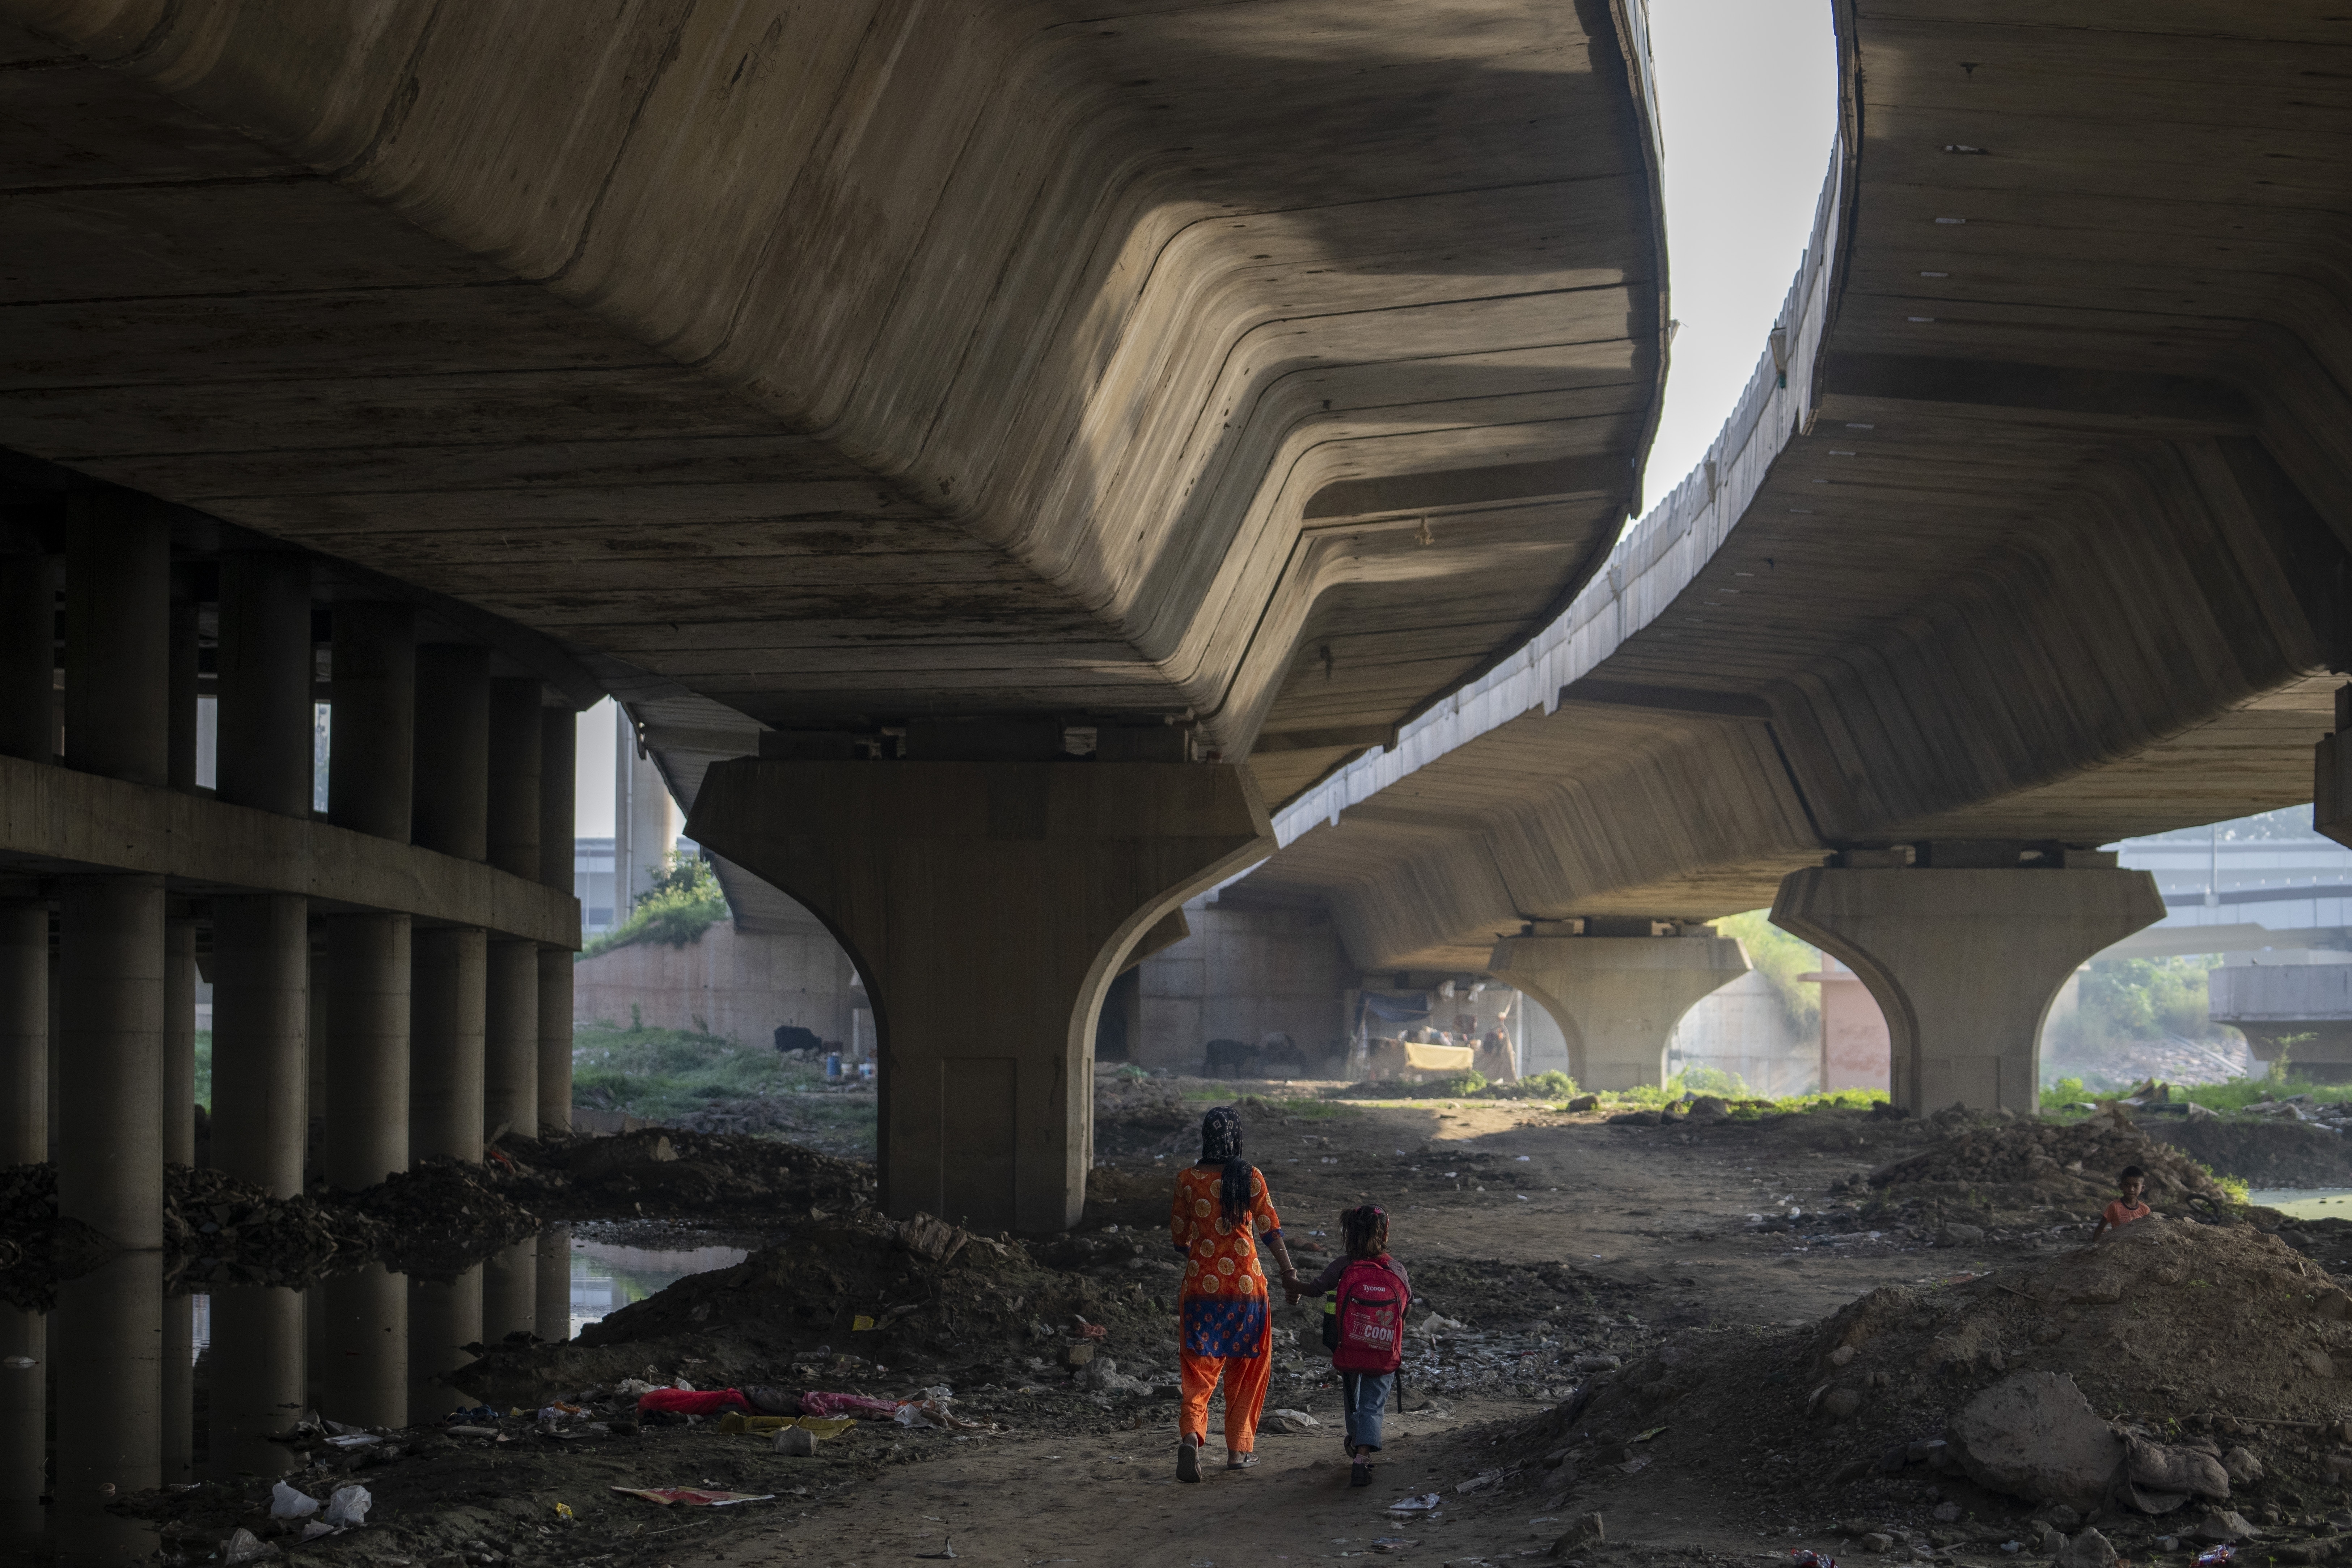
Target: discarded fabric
[(690, 1402)]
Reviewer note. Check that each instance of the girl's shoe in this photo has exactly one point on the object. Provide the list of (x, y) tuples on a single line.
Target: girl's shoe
[(1360, 1474), (1188, 1459), (1240, 1461)]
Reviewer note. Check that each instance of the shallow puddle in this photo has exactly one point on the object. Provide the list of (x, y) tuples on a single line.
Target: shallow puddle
[(607, 1276), (2306, 1202)]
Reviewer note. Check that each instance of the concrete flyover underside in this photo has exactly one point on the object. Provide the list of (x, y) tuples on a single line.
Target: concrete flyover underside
[(1278, 366), (2040, 540)]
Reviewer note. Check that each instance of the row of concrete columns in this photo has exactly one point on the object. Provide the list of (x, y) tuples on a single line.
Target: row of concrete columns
[(425, 1039), (116, 1357), (1963, 944)]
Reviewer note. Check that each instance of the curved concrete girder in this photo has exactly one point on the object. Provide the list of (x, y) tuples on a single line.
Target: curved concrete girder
[(2026, 527), (988, 906), (863, 359), (1617, 998)]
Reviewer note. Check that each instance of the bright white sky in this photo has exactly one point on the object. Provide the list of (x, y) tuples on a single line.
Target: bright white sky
[(1748, 97), (1747, 94)]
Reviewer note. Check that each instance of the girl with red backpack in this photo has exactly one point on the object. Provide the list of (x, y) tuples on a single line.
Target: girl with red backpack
[(1363, 1325)]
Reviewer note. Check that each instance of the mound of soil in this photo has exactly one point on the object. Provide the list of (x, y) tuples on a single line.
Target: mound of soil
[(669, 1173), (2260, 1152), (2168, 1327), (2004, 1167), (934, 1305), (438, 1219)]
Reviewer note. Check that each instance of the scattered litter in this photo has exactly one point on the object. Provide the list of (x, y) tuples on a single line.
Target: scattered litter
[(947, 1550), (694, 1497), (353, 1439), (17, 1362), (245, 1547), (347, 1507), (285, 1503), (1805, 1558), (2218, 1557), (1390, 1542), (1421, 1502)]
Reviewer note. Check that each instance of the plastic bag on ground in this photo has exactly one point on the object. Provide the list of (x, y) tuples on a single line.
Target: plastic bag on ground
[(245, 1547), (348, 1506), (285, 1503)]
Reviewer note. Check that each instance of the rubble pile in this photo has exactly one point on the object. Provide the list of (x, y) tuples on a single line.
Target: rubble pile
[(2008, 1166), (437, 1218), (668, 1173), (1136, 1118), (2156, 1377), (2293, 1143), (223, 1231)]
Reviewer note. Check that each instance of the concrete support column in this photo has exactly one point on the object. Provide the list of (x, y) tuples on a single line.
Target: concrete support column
[(179, 1383), (23, 1426), (515, 739), (372, 744), (510, 1290), (559, 746), (1964, 959), (28, 655), (554, 1087), (106, 1339), (363, 1381), (118, 636), (988, 904), (24, 1032), (443, 1319), (110, 1058), (1616, 997), (367, 1072), (266, 723), (183, 680), (179, 1042), (446, 1003), (554, 1268), (261, 1013), (452, 772), (510, 1041), (256, 1384)]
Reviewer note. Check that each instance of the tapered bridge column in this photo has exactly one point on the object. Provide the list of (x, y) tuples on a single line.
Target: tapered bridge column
[(1617, 986), (1965, 951), (988, 905)]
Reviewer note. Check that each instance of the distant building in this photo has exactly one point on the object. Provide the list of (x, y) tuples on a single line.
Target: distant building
[(592, 883)]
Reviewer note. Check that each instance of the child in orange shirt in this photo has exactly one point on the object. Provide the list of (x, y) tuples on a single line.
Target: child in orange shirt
[(2127, 1207)]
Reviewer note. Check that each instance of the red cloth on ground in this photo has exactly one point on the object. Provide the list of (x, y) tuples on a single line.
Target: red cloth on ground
[(693, 1401)]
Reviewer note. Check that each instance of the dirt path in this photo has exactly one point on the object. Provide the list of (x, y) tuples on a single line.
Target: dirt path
[(1655, 1220)]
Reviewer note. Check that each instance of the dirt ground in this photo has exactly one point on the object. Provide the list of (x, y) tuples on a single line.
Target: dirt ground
[(1563, 1247)]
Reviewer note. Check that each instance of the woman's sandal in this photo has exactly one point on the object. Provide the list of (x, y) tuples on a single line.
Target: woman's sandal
[(1241, 1461), (1187, 1460)]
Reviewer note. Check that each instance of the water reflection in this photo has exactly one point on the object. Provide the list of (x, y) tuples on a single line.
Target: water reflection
[(119, 1389)]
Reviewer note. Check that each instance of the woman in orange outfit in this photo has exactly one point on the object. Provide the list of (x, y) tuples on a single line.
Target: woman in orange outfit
[(1228, 1321)]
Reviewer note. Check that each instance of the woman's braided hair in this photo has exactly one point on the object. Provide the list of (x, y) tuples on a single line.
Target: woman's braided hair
[(1221, 1144)]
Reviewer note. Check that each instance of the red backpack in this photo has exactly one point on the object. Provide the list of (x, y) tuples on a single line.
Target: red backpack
[(1371, 1301)]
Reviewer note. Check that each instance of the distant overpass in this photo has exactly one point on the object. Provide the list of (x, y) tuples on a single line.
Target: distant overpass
[(2028, 534)]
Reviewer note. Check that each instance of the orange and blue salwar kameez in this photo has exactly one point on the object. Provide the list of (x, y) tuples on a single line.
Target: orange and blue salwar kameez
[(1227, 1319)]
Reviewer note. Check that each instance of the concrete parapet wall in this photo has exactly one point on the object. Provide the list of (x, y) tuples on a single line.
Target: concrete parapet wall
[(732, 983)]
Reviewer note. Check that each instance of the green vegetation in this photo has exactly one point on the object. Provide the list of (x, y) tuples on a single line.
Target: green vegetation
[(2129, 999), (1781, 958), (683, 902), (204, 1069), (663, 1073), (2235, 1095)]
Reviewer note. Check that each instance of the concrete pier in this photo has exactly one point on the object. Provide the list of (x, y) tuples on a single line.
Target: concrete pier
[(451, 811), (510, 1042), (364, 1376), (510, 1290), (179, 1383), (28, 595), (23, 1030), (988, 904), (558, 751), (179, 1041), (372, 747), (554, 1268), (265, 721), (261, 1015), (255, 1387), (1616, 999), (514, 740), (369, 968), (447, 987), (1964, 953), (106, 1344), (110, 1057), (443, 1318), (118, 636)]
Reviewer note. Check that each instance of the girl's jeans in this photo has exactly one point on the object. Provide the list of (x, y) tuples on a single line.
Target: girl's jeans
[(1364, 1393)]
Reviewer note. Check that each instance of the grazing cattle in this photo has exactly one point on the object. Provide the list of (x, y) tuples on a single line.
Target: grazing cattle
[(792, 1037), (1279, 1057), (1229, 1058)]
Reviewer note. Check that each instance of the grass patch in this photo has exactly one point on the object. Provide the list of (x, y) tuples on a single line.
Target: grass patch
[(683, 902), (204, 1069), (665, 1074), (2060, 1099)]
